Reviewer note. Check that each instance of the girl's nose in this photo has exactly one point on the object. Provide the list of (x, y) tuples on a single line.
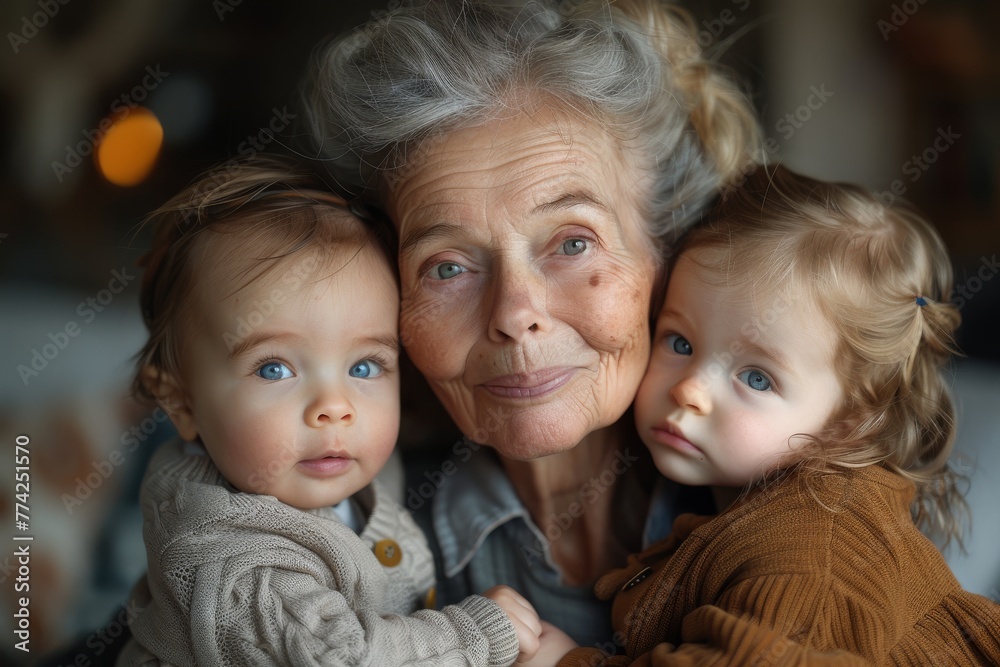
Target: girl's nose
[(691, 393)]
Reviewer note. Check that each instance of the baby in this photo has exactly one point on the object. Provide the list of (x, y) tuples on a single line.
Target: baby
[(796, 370), (273, 346)]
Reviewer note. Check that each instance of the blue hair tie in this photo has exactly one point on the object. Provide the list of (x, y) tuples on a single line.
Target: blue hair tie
[(921, 301)]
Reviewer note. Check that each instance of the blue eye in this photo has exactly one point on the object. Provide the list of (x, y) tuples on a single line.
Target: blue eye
[(369, 368), (756, 380), (274, 370), (446, 270), (573, 246), (678, 344)]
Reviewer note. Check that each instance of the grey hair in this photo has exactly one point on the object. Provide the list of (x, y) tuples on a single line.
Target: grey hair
[(634, 66)]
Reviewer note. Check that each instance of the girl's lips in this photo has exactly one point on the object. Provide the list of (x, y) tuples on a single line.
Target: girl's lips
[(529, 385), (671, 436), (326, 466)]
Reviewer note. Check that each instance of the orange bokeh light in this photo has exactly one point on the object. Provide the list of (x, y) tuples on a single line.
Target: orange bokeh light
[(128, 150)]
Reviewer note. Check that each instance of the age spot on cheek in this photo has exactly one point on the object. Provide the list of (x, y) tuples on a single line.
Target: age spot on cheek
[(595, 280)]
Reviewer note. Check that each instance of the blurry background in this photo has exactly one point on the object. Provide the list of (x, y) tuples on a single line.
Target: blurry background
[(902, 97)]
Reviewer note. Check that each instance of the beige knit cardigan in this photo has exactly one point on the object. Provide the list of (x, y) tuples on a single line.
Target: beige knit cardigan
[(243, 579)]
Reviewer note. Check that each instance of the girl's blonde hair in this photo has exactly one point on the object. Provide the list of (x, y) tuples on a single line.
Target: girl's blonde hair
[(277, 209), (882, 279)]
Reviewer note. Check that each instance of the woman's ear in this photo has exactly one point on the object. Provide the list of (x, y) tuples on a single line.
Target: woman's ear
[(170, 396)]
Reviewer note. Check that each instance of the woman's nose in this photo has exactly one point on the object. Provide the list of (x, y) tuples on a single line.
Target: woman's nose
[(692, 393), (331, 406), (519, 304)]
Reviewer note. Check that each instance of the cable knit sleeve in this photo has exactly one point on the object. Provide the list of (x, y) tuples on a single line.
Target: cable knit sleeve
[(238, 579), (295, 620)]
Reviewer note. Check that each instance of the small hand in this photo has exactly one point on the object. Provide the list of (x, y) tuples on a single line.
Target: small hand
[(553, 645), (527, 625)]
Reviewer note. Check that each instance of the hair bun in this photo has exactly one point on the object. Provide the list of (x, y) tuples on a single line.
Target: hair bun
[(720, 112)]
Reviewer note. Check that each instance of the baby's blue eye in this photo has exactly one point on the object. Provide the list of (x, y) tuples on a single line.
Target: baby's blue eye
[(446, 270), (368, 368), (573, 246), (678, 344), (756, 380), (274, 370)]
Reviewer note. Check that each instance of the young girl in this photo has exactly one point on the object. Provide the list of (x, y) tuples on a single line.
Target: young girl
[(273, 347), (796, 370)]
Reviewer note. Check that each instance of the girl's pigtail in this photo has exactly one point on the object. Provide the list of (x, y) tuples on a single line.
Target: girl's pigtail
[(939, 507)]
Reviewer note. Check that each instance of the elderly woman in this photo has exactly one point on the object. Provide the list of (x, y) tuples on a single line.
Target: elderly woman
[(536, 161)]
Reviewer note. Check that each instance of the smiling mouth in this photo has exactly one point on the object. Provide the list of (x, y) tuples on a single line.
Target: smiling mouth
[(529, 385)]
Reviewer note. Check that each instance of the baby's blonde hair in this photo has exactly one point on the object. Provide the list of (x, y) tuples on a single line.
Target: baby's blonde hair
[(882, 279), (267, 203)]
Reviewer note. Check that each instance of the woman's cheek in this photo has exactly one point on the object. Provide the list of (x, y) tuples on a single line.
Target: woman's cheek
[(418, 321), (607, 310), (431, 331)]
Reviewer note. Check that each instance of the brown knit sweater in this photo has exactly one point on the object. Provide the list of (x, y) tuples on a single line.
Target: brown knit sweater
[(779, 579)]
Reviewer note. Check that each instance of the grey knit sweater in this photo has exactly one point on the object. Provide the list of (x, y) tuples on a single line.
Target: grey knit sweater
[(243, 579)]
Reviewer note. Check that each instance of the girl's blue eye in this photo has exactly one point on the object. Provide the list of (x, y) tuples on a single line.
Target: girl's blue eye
[(446, 270), (678, 344), (573, 246), (756, 380), (369, 368), (274, 370)]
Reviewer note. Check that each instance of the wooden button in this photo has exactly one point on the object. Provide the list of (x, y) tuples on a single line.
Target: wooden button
[(388, 552), (641, 576), (430, 600)]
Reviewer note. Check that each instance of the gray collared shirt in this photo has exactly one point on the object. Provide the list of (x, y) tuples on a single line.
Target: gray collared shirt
[(482, 536)]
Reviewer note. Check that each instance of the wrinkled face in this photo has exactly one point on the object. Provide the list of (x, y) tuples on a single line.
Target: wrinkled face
[(526, 275), (292, 382), (731, 382)]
